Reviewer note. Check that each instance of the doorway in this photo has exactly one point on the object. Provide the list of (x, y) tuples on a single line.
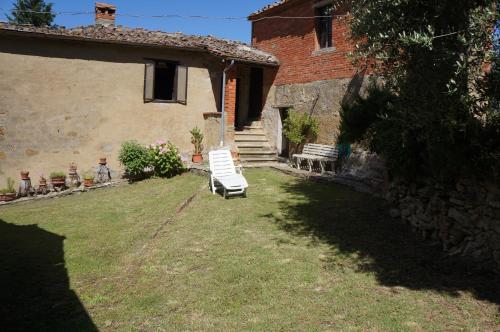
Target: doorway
[(282, 143), (256, 85)]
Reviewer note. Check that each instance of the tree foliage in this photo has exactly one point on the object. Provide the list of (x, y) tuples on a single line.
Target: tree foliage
[(34, 12), (440, 114)]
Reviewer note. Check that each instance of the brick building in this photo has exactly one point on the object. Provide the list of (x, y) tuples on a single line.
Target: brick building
[(310, 38)]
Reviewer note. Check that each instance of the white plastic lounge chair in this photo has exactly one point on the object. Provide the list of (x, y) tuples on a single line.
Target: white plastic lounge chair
[(224, 173)]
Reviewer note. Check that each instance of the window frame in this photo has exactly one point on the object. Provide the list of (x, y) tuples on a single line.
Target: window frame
[(175, 93), (174, 86), (318, 23)]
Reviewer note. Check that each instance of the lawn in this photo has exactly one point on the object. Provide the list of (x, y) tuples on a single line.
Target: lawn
[(294, 255)]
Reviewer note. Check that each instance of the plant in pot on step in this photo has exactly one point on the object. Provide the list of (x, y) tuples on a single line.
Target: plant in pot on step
[(58, 179), (197, 139), (88, 180), (9, 193)]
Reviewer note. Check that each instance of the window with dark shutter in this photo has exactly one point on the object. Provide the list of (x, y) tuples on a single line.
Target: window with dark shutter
[(165, 81), (324, 26)]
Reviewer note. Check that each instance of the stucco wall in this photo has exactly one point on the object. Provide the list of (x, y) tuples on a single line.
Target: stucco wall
[(64, 101)]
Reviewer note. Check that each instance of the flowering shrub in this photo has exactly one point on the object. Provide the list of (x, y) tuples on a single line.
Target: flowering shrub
[(165, 159)]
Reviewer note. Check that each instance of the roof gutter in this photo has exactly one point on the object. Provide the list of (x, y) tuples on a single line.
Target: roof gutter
[(223, 102)]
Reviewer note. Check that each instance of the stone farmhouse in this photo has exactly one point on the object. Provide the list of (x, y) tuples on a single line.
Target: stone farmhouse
[(74, 95)]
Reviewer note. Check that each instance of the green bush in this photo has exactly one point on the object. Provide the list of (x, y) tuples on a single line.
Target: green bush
[(165, 159), (134, 157), (300, 128)]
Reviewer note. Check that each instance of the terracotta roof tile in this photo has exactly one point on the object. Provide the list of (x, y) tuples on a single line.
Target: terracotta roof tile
[(138, 36), (269, 7)]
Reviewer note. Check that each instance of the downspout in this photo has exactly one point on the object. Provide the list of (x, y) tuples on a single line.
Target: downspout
[(223, 102)]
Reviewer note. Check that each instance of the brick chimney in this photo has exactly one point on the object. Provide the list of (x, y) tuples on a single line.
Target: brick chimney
[(104, 14)]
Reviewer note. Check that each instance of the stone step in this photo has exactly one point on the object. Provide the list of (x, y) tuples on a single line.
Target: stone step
[(257, 144), (253, 128), (257, 159), (256, 152), (251, 139), (250, 132), (257, 123)]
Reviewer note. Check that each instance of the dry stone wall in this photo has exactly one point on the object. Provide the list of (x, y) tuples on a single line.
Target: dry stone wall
[(464, 219)]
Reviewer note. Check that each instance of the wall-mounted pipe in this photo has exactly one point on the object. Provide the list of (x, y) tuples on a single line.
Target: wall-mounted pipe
[(223, 102)]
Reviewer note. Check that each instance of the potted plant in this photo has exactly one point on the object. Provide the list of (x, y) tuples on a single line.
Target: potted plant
[(58, 179), (9, 193), (88, 180), (25, 175), (196, 140)]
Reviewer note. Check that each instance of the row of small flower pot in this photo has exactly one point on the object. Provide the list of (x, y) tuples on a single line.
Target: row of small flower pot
[(58, 180)]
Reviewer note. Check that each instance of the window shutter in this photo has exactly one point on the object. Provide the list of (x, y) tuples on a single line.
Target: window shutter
[(149, 81), (181, 81)]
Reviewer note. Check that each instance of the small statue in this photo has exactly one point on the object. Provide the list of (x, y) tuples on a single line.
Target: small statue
[(74, 178), (43, 188), (25, 188), (103, 172)]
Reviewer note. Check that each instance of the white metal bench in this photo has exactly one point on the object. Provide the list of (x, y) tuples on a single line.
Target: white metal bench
[(317, 152)]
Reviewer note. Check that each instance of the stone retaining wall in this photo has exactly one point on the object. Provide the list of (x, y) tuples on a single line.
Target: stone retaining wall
[(464, 219)]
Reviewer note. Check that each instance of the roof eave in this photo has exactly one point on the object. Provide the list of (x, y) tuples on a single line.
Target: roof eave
[(253, 62), (97, 40), (133, 44), (266, 12)]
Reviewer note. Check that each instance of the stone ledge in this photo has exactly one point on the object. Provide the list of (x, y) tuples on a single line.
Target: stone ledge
[(212, 114), (63, 193), (324, 51)]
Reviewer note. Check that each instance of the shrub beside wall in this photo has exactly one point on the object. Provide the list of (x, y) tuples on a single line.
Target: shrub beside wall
[(161, 157)]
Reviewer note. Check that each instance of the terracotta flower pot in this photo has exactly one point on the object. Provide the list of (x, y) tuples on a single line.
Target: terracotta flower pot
[(58, 181), (102, 161), (197, 158), (43, 183), (7, 197), (25, 175), (88, 182)]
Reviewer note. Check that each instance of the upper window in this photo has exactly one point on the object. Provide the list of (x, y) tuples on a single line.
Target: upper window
[(324, 26), (165, 82)]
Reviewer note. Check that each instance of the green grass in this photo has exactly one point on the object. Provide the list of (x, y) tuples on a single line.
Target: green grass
[(294, 255)]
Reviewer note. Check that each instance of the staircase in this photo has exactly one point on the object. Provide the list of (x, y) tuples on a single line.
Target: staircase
[(253, 146)]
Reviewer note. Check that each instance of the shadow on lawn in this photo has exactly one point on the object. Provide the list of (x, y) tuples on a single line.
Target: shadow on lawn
[(34, 284), (362, 235)]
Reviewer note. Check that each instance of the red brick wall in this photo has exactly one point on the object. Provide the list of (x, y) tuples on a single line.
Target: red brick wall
[(294, 42), (230, 101)]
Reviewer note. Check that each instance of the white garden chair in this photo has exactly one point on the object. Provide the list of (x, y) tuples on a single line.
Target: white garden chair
[(224, 173)]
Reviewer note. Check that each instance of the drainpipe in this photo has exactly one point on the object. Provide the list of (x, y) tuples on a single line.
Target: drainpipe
[(223, 106)]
